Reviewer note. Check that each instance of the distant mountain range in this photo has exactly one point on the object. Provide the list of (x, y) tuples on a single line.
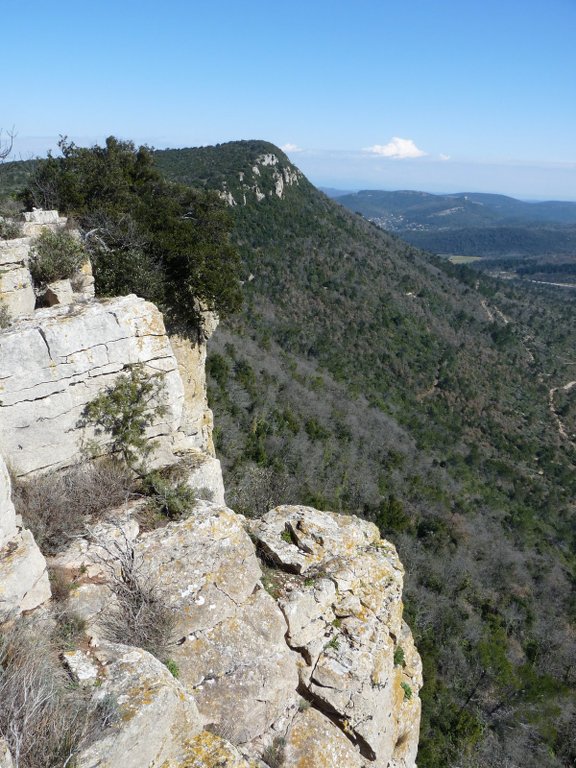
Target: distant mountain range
[(405, 210), (472, 223)]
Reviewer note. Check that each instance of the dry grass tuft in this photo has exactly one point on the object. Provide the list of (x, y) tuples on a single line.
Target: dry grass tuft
[(58, 506)]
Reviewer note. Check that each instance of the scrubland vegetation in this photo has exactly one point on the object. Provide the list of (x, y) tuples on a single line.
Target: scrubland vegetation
[(365, 377)]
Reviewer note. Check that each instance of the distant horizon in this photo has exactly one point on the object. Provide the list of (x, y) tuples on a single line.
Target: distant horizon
[(412, 95), (324, 169), (448, 193)]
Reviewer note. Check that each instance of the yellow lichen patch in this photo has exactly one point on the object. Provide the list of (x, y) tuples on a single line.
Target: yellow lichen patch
[(207, 750), (137, 697)]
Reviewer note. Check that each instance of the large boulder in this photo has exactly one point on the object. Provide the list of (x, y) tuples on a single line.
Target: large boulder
[(228, 640), (312, 740), (232, 653), (155, 717), (341, 595)]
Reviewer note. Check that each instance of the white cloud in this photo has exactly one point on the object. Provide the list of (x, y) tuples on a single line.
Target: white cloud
[(444, 157), (397, 148), (291, 148)]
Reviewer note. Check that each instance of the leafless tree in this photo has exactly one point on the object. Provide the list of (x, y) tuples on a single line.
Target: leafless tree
[(139, 615), (6, 144)]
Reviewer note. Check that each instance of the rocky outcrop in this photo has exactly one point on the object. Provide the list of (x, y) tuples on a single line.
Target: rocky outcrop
[(341, 595), (23, 575), (17, 291), (53, 364), (313, 740), (152, 717), (288, 639), (313, 652)]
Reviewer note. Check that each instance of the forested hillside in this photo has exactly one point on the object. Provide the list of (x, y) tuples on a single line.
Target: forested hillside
[(366, 377), (363, 376)]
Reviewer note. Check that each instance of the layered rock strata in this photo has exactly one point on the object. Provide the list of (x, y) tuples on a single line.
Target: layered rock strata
[(56, 362), (17, 291), (23, 575)]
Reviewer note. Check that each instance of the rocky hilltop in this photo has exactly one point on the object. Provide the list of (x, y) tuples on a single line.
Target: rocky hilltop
[(285, 643)]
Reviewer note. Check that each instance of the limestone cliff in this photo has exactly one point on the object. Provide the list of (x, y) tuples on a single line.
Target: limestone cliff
[(287, 634)]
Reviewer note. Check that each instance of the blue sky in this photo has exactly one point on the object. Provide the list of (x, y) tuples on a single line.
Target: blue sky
[(436, 95)]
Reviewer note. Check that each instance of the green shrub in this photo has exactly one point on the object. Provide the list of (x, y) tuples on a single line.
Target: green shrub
[(172, 668), (5, 319), (399, 659), (9, 230), (407, 691), (124, 411), (165, 241), (168, 496), (55, 256)]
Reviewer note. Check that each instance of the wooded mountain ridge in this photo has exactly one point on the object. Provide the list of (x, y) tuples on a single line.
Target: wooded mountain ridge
[(365, 376)]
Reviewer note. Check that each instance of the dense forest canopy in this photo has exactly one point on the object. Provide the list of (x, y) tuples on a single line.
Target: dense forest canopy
[(161, 240)]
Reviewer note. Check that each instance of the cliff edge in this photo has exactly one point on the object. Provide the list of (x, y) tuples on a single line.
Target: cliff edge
[(284, 641)]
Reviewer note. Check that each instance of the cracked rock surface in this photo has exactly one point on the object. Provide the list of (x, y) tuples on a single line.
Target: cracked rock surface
[(23, 575), (343, 608), (229, 643), (56, 362), (154, 715)]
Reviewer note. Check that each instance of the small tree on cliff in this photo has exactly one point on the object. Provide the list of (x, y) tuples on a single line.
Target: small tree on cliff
[(166, 242)]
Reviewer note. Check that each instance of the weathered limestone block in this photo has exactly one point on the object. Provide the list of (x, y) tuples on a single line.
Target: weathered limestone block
[(206, 565), (204, 476), (23, 575), (209, 751), (156, 716), (408, 709), (197, 421), (16, 291), (233, 656), (345, 619), (52, 365), (5, 756), (310, 536), (241, 672), (229, 633), (313, 741), (58, 292), (40, 216), (35, 221), (15, 251)]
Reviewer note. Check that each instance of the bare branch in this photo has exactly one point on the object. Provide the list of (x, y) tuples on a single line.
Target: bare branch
[(7, 143)]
